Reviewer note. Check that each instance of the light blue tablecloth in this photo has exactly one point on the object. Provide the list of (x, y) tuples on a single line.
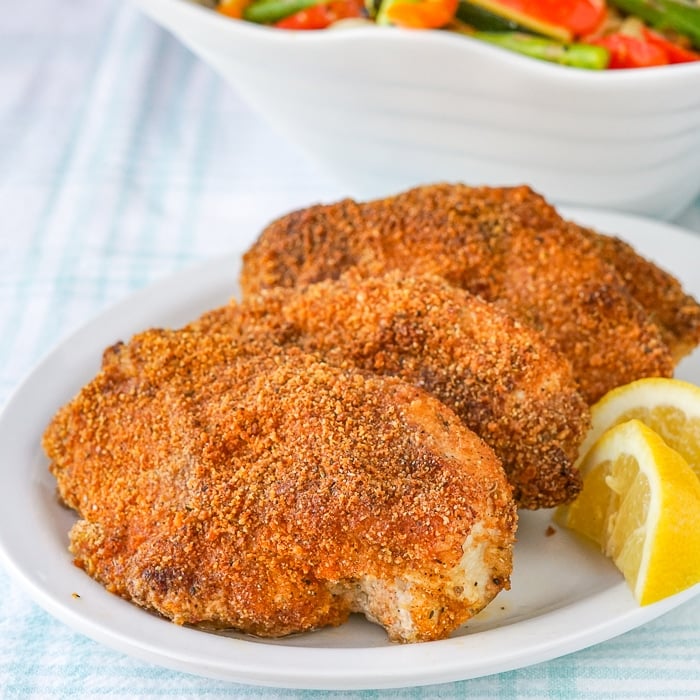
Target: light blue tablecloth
[(123, 159)]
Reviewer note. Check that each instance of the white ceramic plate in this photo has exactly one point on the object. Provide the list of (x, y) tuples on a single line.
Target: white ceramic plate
[(564, 597)]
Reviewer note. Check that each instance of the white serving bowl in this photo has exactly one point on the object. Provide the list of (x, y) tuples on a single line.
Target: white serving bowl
[(383, 109)]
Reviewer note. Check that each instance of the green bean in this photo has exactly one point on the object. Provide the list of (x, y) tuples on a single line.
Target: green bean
[(575, 55), (681, 16), (270, 11)]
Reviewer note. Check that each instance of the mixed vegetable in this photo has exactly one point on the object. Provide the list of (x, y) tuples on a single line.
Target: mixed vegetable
[(594, 34)]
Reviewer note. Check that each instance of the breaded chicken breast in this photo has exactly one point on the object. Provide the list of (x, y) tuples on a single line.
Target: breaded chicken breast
[(262, 489), (499, 376), (509, 246), (660, 294)]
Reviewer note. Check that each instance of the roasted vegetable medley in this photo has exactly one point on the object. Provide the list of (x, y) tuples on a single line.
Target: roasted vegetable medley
[(594, 34)]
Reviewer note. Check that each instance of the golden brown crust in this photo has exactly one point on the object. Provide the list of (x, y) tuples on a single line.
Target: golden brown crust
[(262, 489), (558, 285), (660, 294), (507, 245), (500, 377)]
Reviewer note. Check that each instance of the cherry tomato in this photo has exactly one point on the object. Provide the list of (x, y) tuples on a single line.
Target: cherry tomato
[(322, 15), (674, 52), (643, 50), (631, 52), (580, 17)]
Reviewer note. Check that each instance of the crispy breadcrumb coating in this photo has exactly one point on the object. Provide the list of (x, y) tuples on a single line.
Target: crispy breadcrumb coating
[(660, 294), (509, 246), (262, 489), (500, 377)]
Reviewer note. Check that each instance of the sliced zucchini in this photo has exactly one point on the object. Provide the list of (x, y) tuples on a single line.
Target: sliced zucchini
[(481, 19), (518, 19)]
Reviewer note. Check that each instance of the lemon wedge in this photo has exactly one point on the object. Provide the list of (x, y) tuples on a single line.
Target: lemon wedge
[(670, 407), (641, 504)]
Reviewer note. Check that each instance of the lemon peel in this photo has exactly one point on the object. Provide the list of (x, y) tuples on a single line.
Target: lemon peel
[(641, 504), (670, 407)]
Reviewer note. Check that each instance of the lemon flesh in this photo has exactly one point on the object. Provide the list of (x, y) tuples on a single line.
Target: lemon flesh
[(670, 407), (641, 504)]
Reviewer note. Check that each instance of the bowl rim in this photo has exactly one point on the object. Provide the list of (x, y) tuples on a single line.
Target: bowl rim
[(679, 74)]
